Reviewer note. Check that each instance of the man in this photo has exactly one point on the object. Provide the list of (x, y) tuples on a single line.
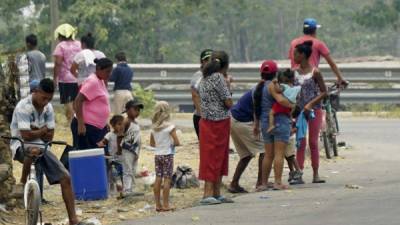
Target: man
[(194, 84), (33, 121), (319, 48), (36, 59)]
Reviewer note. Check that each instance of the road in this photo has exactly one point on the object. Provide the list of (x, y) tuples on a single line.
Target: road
[(372, 163)]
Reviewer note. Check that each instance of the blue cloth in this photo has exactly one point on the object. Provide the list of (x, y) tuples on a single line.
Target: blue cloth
[(301, 126), (122, 76), (242, 111), (291, 93)]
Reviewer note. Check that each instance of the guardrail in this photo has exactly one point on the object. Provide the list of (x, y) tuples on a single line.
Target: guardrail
[(383, 82)]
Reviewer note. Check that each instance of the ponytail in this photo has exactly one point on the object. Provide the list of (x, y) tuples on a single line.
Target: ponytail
[(257, 97), (305, 48), (219, 60)]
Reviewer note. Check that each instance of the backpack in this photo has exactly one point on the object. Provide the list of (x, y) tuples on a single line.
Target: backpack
[(184, 177)]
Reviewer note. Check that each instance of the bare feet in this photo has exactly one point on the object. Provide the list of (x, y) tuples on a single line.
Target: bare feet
[(279, 187)]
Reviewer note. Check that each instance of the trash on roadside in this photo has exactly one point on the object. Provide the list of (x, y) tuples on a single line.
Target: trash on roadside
[(264, 197), (92, 221), (341, 144), (335, 172), (285, 205), (195, 218), (353, 186), (3, 208), (79, 212), (145, 208)]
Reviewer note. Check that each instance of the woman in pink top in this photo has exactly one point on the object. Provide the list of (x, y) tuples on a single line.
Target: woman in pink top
[(64, 54), (92, 107)]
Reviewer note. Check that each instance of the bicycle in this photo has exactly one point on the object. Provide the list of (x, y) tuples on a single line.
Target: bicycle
[(32, 196), (330, 128)]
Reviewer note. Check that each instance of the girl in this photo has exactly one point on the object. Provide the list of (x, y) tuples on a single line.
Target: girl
[(313, 90), (163, 137)]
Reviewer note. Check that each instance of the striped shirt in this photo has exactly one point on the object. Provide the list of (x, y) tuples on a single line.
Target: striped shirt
[(26, 116)]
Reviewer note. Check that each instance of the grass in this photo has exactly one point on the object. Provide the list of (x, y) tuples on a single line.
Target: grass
[(378, 110)]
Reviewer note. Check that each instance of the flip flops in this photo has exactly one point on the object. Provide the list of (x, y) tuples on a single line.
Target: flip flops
[(318, 181), (210, 201), (223, 199), (280, 187), (237, 190)]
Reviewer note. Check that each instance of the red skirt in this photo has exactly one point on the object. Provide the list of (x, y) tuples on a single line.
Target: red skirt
[(214, 149)]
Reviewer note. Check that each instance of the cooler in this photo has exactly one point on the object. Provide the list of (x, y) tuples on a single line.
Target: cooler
[(88, 174)]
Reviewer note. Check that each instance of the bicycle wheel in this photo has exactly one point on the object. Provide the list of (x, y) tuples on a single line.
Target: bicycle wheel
[(326, 145), (33, 200)]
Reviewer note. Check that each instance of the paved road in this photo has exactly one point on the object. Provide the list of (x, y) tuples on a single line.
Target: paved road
[(373, 163)]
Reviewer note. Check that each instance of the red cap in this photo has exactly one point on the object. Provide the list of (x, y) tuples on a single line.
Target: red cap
[(269, 66)]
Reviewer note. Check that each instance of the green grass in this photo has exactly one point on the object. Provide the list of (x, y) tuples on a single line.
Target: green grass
[(378, 110)]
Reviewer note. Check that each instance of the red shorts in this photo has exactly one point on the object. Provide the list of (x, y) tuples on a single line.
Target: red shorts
[(278, 108), (214, 149)]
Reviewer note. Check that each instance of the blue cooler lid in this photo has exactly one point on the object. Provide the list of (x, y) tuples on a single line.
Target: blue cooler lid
[(86, 153)]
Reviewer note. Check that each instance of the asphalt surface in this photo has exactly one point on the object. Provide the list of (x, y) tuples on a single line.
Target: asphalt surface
[(371, 164)]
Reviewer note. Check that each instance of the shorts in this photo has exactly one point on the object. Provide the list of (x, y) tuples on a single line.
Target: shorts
[(291, 148), (68, 92), (281, 132), (50, 165), (164, 165), (243, 138)]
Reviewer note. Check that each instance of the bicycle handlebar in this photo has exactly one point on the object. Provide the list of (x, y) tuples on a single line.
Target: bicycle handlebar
[(23, 143)]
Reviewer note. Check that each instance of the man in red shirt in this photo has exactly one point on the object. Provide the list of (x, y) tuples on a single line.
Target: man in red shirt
[(319, 48)]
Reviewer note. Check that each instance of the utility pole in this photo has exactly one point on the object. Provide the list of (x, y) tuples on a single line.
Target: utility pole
[(54, 17)]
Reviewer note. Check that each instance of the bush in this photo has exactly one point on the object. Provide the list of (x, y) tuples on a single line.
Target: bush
[(147, 98)]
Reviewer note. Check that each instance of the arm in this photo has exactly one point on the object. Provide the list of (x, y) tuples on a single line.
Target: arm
[(323, 91), (228, 103), (278, 96), (196, 100), (79, 114), (33, 134), (334, 68), (102, 143), (74, 69), (175, 137), (57, 67), (152, 141), (48, 136)]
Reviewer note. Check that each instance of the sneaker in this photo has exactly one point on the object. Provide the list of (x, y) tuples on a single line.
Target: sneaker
[(223, 199), (210, 201), (291, 176), (297, 178)]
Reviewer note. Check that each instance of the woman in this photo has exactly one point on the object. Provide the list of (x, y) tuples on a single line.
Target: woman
[(215, 102), (313, 90), (83, 64), (275, 142), (64, 54), (92, 108)]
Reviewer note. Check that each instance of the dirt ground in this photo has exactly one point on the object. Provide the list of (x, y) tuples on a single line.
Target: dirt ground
[(112, 210)]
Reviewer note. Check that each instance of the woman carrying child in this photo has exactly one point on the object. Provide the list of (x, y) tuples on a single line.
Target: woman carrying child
[(313, 91), (164, 139)]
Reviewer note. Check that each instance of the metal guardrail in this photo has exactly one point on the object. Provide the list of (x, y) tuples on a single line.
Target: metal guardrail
[(180, 75)]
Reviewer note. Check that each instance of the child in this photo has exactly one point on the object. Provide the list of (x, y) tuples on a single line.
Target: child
[(111, 141), (130, 145), (163, 137), (285, 86), (295, 174)]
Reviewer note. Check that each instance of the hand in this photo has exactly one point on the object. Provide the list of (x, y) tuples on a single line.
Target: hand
[(34, 151), (101, 144), (81, 129), (256, 131), (307, 108)]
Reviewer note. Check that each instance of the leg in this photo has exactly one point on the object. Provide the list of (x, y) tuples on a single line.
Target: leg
[(267, 165), (241, 166), (260, 161), (301, 154), (26, 169), (69, 111), (208, 189), (280, 148), (217, 187), (166, 189), (127, 168), (156, 190), (313, 135), (196, 120), (290, 161), (68, 197)]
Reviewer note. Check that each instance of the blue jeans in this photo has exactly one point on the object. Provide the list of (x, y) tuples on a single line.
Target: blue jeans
[(281, 132)]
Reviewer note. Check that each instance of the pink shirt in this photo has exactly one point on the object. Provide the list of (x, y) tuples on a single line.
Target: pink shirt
[(318, 48), (67, 50), (96, 108)]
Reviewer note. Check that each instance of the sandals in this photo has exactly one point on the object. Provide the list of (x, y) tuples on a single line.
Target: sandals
[(210, 201), (262, 188), (280, 187), (223, 199), (237, 190), (318, 181)]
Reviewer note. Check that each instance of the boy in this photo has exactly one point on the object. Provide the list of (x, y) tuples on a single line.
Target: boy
[(130, 145), (36, 59)]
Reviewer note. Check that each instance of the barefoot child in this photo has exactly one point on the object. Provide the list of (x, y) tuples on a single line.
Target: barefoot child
[(130, 145), (111, 141), (163, 137), (285, 86)]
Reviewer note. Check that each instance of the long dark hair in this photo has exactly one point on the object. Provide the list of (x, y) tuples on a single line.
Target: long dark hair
[(257, 96), (88, 40), (219, 60), (305, 48)]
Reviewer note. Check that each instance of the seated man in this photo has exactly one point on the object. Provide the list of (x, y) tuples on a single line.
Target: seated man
[(33, 121)]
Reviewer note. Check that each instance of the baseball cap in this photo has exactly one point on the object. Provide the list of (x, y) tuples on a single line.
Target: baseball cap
[(133, 103), (311, 23), (269, 66), (206, 54)]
